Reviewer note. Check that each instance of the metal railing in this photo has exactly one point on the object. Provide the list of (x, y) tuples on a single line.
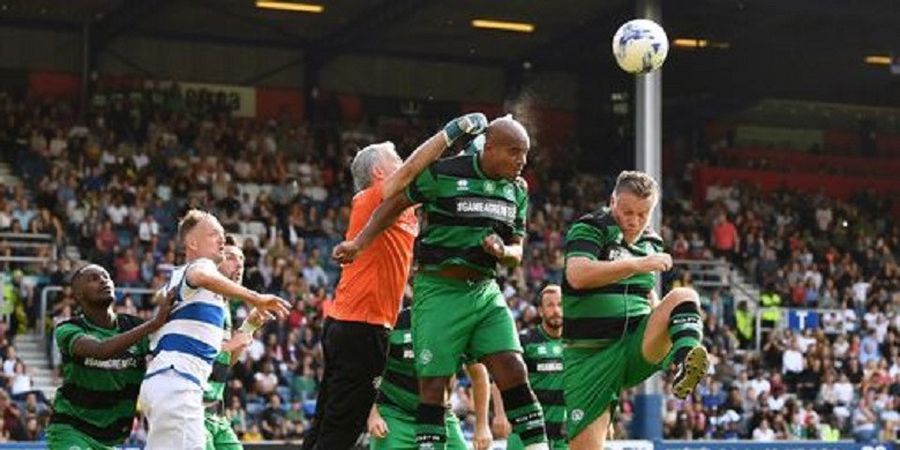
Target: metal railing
[(27, 236), (25, 259), (29, 240), (707, 273)]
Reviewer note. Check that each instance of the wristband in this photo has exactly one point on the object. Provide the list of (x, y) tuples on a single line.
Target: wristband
[(248, 327)]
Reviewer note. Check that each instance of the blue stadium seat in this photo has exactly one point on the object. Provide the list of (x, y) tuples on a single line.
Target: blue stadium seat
[(309, 408), (284, 393)]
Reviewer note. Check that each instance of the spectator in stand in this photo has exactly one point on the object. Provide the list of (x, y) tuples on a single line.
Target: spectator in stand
[(10, 415), (272, 419), (23, 213), (849, 259), (725, 239), (128, 269)]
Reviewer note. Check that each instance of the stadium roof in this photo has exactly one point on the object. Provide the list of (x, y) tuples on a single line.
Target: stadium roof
[(797, 44)]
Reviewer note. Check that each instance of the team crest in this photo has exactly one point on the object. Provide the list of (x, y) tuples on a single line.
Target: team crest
[(577, 415), (619, 253), (425, 357)]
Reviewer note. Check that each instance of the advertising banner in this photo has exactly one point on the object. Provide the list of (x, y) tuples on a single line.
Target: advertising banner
[(780, 445), (240, 100)]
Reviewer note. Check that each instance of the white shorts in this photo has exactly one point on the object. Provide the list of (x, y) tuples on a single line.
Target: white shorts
[(173, 406)]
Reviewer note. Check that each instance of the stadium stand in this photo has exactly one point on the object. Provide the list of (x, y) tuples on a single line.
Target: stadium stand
[(110, 193)]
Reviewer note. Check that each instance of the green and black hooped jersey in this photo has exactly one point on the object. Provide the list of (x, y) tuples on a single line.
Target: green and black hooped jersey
[(544, 357), (98, 397), (463, 207), (399, 385), (215, 389), (597, 317)]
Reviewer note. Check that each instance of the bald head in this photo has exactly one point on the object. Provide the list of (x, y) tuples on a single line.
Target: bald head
[(505, 148), (508, 131)]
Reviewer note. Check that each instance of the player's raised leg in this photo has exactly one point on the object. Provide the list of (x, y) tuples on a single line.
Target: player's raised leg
[(674, 335)]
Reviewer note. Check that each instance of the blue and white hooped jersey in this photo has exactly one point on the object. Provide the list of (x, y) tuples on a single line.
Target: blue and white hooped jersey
[(193, 333)]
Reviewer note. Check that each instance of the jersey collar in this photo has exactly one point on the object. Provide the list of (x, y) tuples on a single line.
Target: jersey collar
[(546, 335), (477, 165), (88, 321)]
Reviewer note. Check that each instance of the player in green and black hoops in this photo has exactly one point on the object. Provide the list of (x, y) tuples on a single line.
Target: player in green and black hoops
[(219, 434), (103, 363), (392, 420), (476, 207), (616, 331), (544, 358)]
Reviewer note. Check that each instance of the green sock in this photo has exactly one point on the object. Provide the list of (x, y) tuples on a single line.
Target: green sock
[(685, 332), (525, 415), (431, 431)]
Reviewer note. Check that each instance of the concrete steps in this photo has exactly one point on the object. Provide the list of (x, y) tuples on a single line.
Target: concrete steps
[(31, 349)]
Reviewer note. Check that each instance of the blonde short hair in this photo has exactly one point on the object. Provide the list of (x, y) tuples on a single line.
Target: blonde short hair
[(189, 221), (637, 183)]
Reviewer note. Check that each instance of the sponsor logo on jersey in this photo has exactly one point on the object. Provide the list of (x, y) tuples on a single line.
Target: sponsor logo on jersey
[(620, 253), (550, 366), (478, 207), (111, 364)]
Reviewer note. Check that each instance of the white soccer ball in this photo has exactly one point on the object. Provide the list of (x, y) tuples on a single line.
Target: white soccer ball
[(640, 46)]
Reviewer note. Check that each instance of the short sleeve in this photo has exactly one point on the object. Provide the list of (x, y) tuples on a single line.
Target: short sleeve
[(584, 240), (523, 338), (654, 241), (205, 262), (201, 262), (143, 346), (66, 334), (423, 188)]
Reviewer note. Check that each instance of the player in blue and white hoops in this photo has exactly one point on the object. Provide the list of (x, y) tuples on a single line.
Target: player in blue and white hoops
[(184, 348)]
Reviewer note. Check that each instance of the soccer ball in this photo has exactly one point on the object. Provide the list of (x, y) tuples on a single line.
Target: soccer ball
[(640, 46)]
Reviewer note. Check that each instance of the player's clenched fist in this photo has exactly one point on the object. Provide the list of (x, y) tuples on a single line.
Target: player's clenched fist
[(657, 262), (494, 246), (472, 124), (345, 252)]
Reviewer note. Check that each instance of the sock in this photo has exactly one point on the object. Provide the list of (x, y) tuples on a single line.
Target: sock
[(685, 332), (526, 416), (431, 432)]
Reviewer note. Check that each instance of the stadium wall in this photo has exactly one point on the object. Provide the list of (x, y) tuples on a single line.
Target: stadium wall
[(198, 61), (842, 187), (44, 50), (231, 64)]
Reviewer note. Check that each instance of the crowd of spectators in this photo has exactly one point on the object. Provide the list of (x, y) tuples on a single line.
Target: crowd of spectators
[(110, 192), (840, 258)]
